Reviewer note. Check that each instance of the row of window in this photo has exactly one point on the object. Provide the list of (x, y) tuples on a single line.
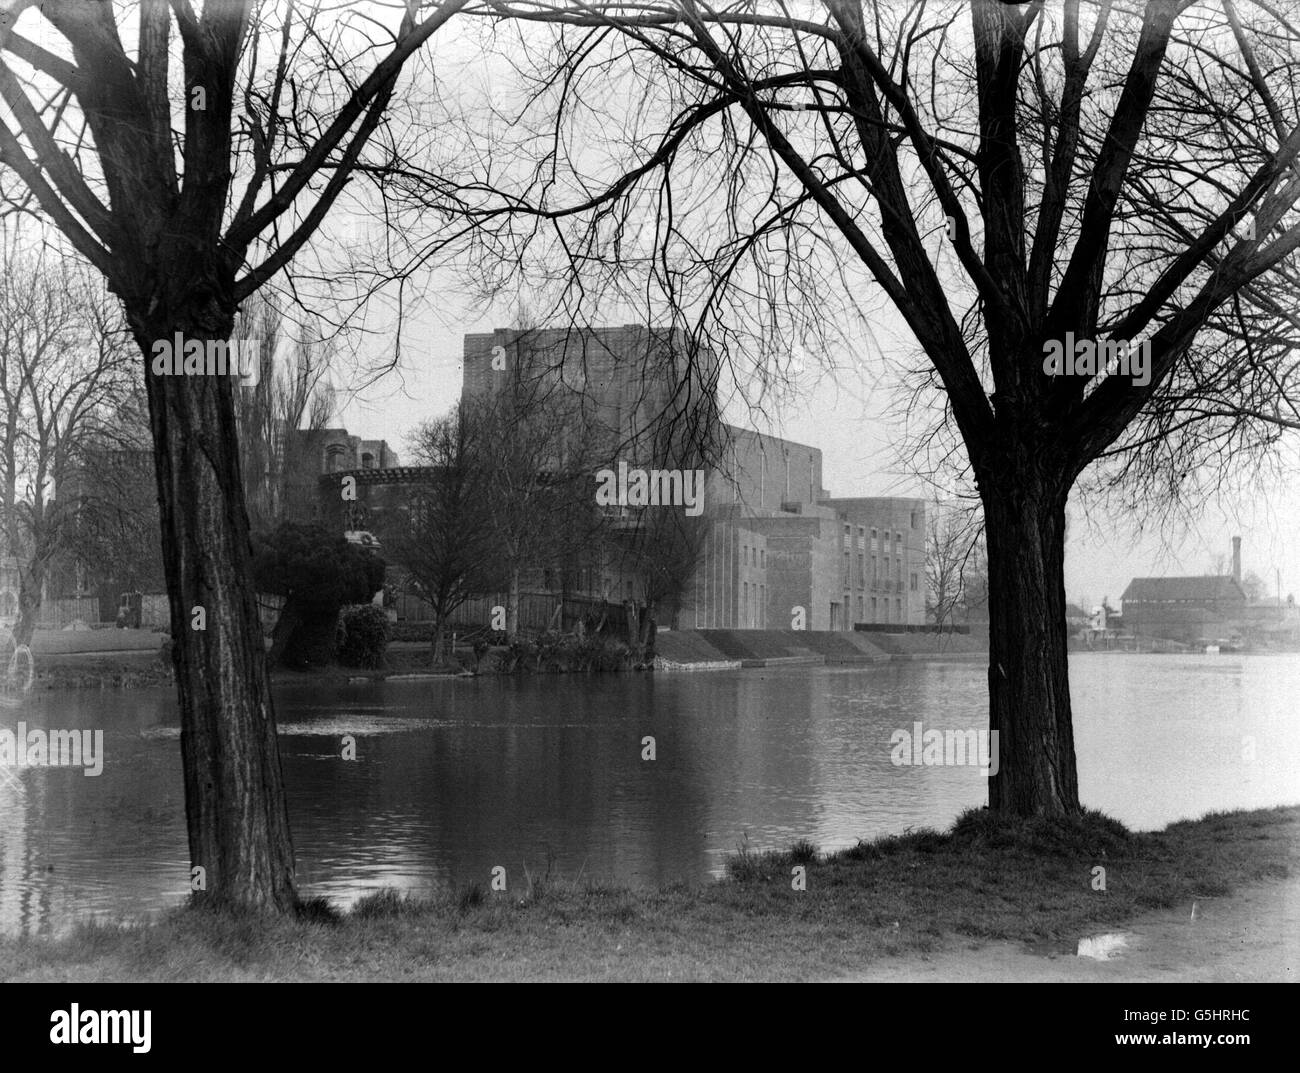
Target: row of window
[(877, 543), (897, 577), (755, 556), (880, 609)]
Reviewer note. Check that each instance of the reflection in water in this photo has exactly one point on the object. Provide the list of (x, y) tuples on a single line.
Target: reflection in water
[(454, 777)]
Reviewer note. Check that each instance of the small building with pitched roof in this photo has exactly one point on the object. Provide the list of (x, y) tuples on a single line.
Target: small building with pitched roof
[(1185, 609)]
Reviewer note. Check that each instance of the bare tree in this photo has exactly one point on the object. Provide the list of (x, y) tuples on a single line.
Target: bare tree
[(663, 550), (1253, 586), (189, 193), (290, 394), (116, 533), (1009, 178), (442, 533), (537, 478), (64, 373), (952, 560)]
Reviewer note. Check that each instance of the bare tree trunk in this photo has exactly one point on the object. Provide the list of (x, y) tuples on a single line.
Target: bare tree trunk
[(286, 624), (633, 622), (1029, 689), (31, 579), (439, 642), (235, 806), (512, 606), (648, 628)]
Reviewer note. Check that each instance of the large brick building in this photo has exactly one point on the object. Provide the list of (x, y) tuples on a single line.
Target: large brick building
[(831, 562), (779, 546)]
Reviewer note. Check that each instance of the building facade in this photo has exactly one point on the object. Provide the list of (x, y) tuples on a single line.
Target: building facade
[(780, 549)]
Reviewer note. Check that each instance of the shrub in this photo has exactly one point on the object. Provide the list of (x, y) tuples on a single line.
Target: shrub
[(317, 572), (363, 636)]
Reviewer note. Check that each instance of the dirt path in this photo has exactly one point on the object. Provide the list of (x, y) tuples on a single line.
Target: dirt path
[(1252, 935)]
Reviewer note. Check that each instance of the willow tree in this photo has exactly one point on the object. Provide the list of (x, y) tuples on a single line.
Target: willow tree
[(190, 168), (992, 179)]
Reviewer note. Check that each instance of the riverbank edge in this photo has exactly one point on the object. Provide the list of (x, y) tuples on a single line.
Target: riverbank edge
[(686, 651), (788, 915), (144, 670)]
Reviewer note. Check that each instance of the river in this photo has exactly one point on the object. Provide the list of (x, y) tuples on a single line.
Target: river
[(454, 777)]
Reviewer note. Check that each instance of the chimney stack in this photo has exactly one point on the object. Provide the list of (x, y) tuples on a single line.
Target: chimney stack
[(1236, 559)]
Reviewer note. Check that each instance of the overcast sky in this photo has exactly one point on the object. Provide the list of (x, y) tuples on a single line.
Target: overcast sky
[(846, 417)]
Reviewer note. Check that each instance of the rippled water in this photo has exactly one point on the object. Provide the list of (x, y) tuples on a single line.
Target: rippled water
[(454, 777)]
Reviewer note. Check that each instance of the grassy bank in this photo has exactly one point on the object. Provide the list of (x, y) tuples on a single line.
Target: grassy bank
[(922, 892)]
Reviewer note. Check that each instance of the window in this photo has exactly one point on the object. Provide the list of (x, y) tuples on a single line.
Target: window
[(763, 558), (874, 539), (367, 461), (874, 610), (860, 619), (862, 570), (875, 571), (762, 607), (898, 543), (914, 583), (913, 519), (846, 568), (899, 608)]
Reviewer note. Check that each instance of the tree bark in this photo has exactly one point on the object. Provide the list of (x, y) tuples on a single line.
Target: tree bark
[(1029, 690), (236, 813)]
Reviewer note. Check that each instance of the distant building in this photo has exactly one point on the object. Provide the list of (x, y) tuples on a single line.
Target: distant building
[(1182, 608), (882, 559), (1200, 608), (335, 451), (779, 543)]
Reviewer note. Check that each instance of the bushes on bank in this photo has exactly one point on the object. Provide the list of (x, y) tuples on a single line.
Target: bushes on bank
[(363, 636)]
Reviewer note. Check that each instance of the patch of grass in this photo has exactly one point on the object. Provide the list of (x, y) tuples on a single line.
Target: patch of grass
[(382, 905), (803, 852), (922, 891), (470, 897), (318, 911)]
